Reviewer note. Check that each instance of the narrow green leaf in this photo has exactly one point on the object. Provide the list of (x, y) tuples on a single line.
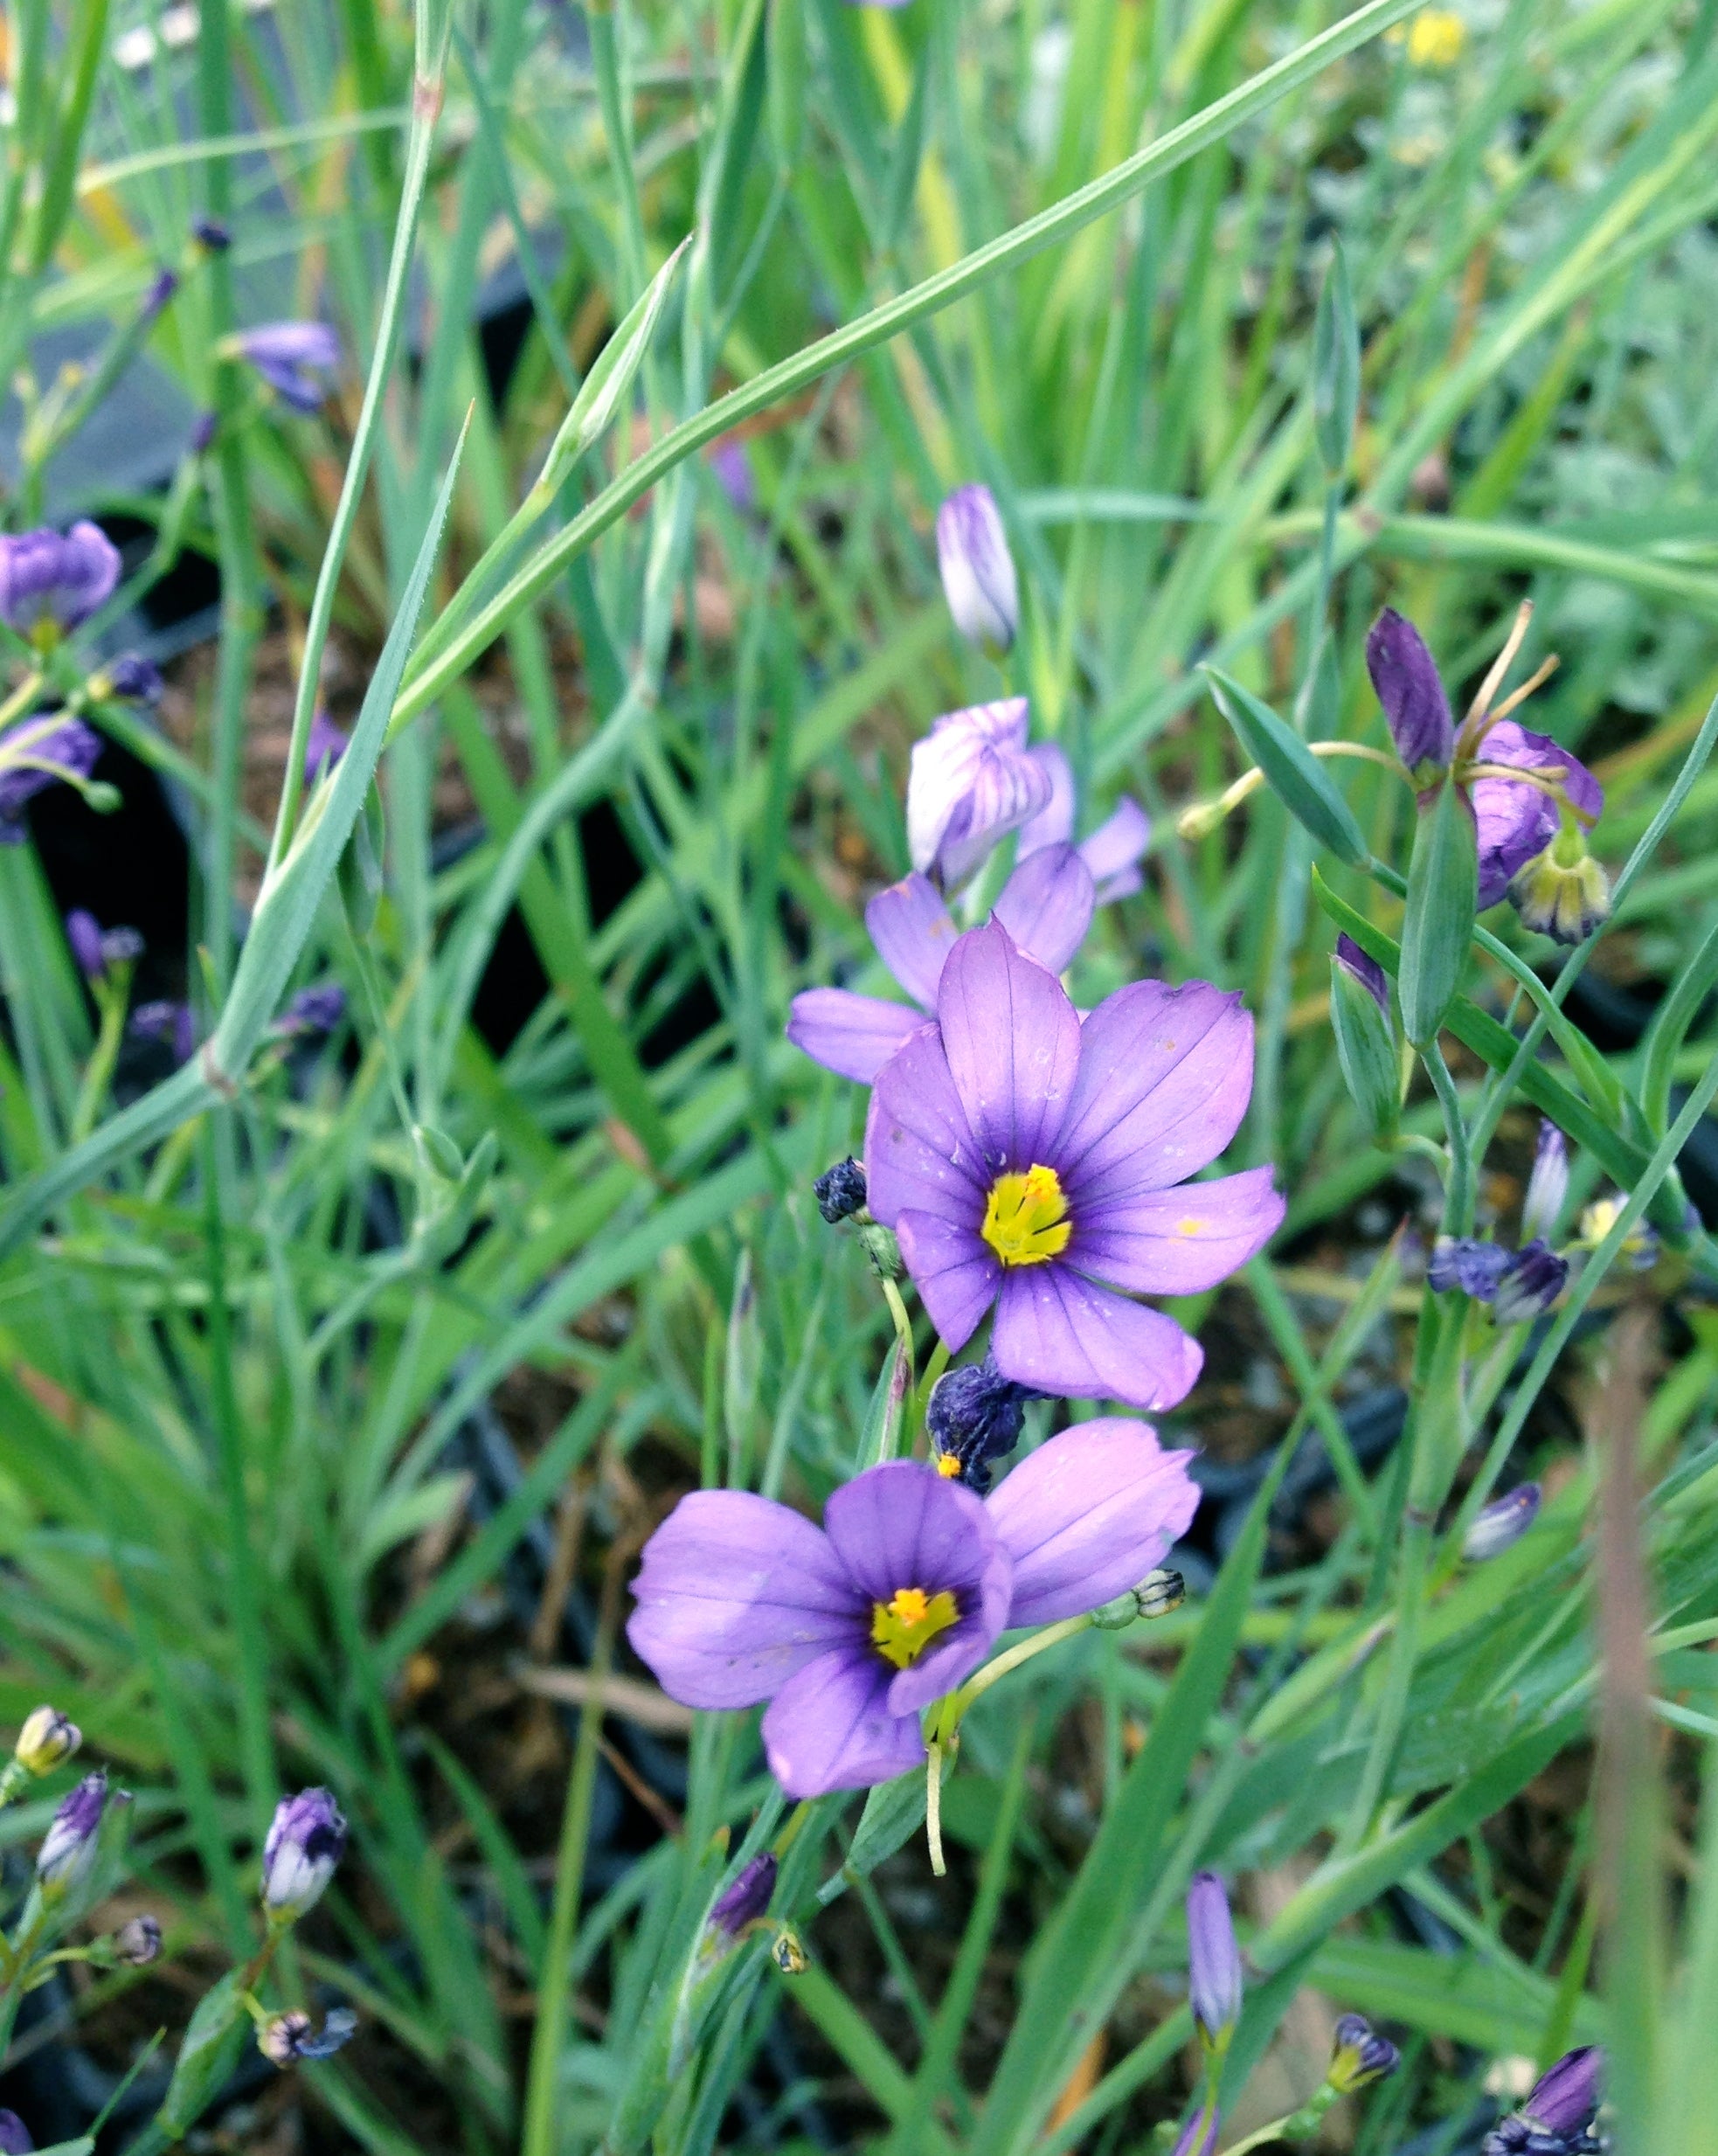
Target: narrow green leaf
[(1442, 881), (612, 374), (1366, 1048), (785, 59), (1293, 772), (1336, 366)]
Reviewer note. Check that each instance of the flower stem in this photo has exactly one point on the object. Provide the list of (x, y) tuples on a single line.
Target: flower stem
[(933, 1806), (981, 1680)]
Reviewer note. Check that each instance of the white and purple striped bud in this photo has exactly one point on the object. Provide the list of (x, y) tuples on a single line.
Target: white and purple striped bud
[(1547, 1186), (978, 571), (1359, 2056), (973, 779), (1409, 687), (1501, 1524), (47, 1739), (1214, 1961), (306, 1841), (69, 1847)]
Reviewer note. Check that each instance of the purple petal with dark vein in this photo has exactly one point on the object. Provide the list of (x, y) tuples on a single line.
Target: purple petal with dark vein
[(1054, 823), (903, 1525), (735, 1593), (1165, 1077), (913, 933), (1115, 850), (919, 1150), (1012, 1043), (1406, 679), (1088, 1515), (852, 1035), (829, 1727), (1046, 905), (1512, 822), (1180, 1241), (955, 1269), (1064, 1335)]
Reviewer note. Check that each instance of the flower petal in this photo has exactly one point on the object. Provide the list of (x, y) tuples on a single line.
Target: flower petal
[(1064, 1335), (903, 1525), (1115, 850), (1513, 823), (971, 780), (1177, 1242), (1054, 823), (830, 1727), (1012, 1043), (913, 933), (1088, 1515), (1406, 679), (1165, 1077), (919, 1151), (955, 1269), (1046, 905), (735, 1594), (852, 1035)]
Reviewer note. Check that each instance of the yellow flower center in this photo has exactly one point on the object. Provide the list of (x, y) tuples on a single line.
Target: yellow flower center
[(1026, 1222), (905, 1626)]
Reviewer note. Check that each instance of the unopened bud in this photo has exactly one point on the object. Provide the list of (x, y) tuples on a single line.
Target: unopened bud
[(47, 1739), (306, 1839), (1360, 2055), (1502, 1523), (69, 1847), (978, 571), (137, 1943), (1214, 1961), (747, 1899), (883, 1250)]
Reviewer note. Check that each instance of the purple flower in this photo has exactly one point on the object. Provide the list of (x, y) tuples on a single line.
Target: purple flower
[(1115, 849), (1360, 2055), (14, 2135), (51, 581), (978, 571), (1408, 687), (1529, 1284), (306, 1838), (733, 469), (95, 949), (287, 2038), (1474, 1267), (1366, 970), (165, 1020), (1046, 905), (1547, 1186), (747, 1899), (1514, 820), (1501, 1524), (973, 779), (1028, 1160), (36, 754), (204, 429), (317, 1009), (1214, 1960), (974, 1415), (850, 1631), (325, 747), (289, 356), (68, 1848)]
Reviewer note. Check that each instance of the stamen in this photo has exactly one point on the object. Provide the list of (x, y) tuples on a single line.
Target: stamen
[(1026, 1222), (905, 1626), (1500, 666), (1518, 697)]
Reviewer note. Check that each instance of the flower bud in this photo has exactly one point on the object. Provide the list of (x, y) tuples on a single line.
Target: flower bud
[(839, 1191), (1529, 1284), (1408, 687), (1360, 2056), (69, 1847), (1565, 2098), (131, 679), (137, 1943), (971, 781), (1563, 892), (1365, 1044), (324, 745), (14, 2135), (1475, 1268), (1502, 1523), (286, 2038), (747, 1899), (47, 1739), (978, 571), (1161, 1592), (975, 1416), (1214, 1961), (306, 1839), (1547, 1186)]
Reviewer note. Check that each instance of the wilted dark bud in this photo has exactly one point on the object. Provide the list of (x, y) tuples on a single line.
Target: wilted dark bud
[(203, 429), (1214, 1961), (306, 1839), (1475, 1268), (1502, 1523), (1529, 1284), (1563, 892), (160, 292), (1359, 2056), (975, 1416), (286, 2038), (1408, 687), (210, 234), (747, 1899), (787, 1952), (138, 1943), (47, 1739), (69, 1847), (839, 1191)]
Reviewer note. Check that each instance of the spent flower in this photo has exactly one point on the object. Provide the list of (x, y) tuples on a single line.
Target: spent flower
[(849, 1630), (285, 2039), (137, 1943), (291, 357), (48, 1740), (1529, 1284), (975, 1416), (1360, 2055), (1557, 2118), (839, 1191)]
